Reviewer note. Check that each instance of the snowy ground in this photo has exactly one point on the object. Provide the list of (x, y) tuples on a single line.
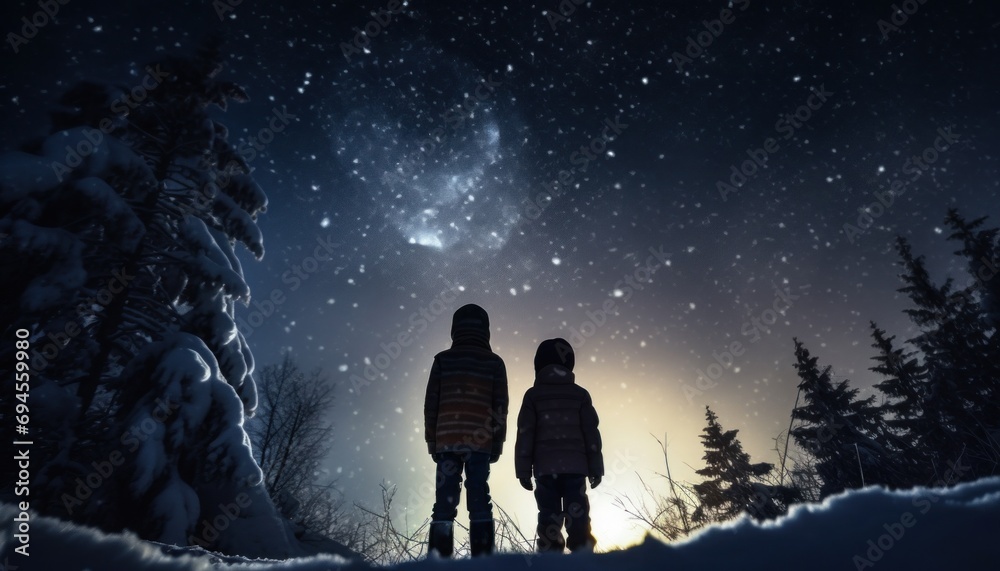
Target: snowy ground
[(958, 528)]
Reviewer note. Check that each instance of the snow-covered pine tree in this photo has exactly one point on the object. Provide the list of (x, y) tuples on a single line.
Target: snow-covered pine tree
[(839, 430), (903, 385), (961, 374), (733, 484), (119, 260)]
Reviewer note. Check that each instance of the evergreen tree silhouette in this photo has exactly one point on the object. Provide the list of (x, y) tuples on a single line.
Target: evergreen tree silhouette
[(903, 385), (982, 249), (733, 483), (839, 430), (955, 340)]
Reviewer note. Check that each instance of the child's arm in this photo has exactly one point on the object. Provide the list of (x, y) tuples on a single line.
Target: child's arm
[(592, 438), (501, 401), (524, 448), (431, 401)]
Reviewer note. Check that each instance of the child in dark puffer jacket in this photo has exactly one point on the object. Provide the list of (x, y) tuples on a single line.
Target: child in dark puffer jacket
[(558, 441)]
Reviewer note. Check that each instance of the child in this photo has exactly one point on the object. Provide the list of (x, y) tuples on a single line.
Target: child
[(558, 440), (465, 421)]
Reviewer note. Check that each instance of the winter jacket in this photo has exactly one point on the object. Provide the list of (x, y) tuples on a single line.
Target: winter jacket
[(465, 409), (557, 428)]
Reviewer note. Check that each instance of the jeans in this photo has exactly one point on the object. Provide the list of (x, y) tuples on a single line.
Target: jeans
[(449, 486), (562, 499)]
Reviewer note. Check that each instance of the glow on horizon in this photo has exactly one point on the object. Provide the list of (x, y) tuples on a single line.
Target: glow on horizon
[(629, 419), (637, 406)]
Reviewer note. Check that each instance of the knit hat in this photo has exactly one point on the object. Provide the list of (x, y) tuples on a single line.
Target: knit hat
[(470, 319), (554, 352)]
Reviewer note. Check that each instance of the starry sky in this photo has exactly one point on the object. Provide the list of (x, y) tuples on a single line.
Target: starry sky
[(654, 181)]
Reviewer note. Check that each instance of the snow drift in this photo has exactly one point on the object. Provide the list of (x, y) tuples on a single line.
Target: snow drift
[(923, 528)]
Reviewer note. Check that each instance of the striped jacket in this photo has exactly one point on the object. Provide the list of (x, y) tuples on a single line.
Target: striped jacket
[(465, 409)]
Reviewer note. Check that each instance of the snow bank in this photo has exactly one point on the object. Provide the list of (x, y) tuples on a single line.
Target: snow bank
[(957, 528)]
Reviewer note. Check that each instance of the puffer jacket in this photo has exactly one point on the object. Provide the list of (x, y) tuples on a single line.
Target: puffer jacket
[(557, 428)]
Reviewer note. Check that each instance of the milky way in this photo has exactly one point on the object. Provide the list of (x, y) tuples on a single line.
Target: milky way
[(425, 142)]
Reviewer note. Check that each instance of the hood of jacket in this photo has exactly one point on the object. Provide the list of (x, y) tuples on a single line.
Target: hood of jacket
[(555, 375), (470, 326)]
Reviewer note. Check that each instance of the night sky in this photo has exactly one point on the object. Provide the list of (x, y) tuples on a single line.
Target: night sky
[(417, 161)]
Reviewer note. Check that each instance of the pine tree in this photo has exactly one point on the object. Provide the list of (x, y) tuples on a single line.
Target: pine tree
[(120, 263), (982, 249), (961, 375), (733, 483), (839, 430), (903, 385)]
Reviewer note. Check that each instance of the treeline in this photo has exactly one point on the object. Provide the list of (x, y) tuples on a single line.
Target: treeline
[(934, 422), (937, 419)]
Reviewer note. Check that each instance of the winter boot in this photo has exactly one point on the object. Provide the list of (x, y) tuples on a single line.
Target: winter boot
[(585, 544), (578, 534), (550, 537), (481, 537), (442, 538)]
